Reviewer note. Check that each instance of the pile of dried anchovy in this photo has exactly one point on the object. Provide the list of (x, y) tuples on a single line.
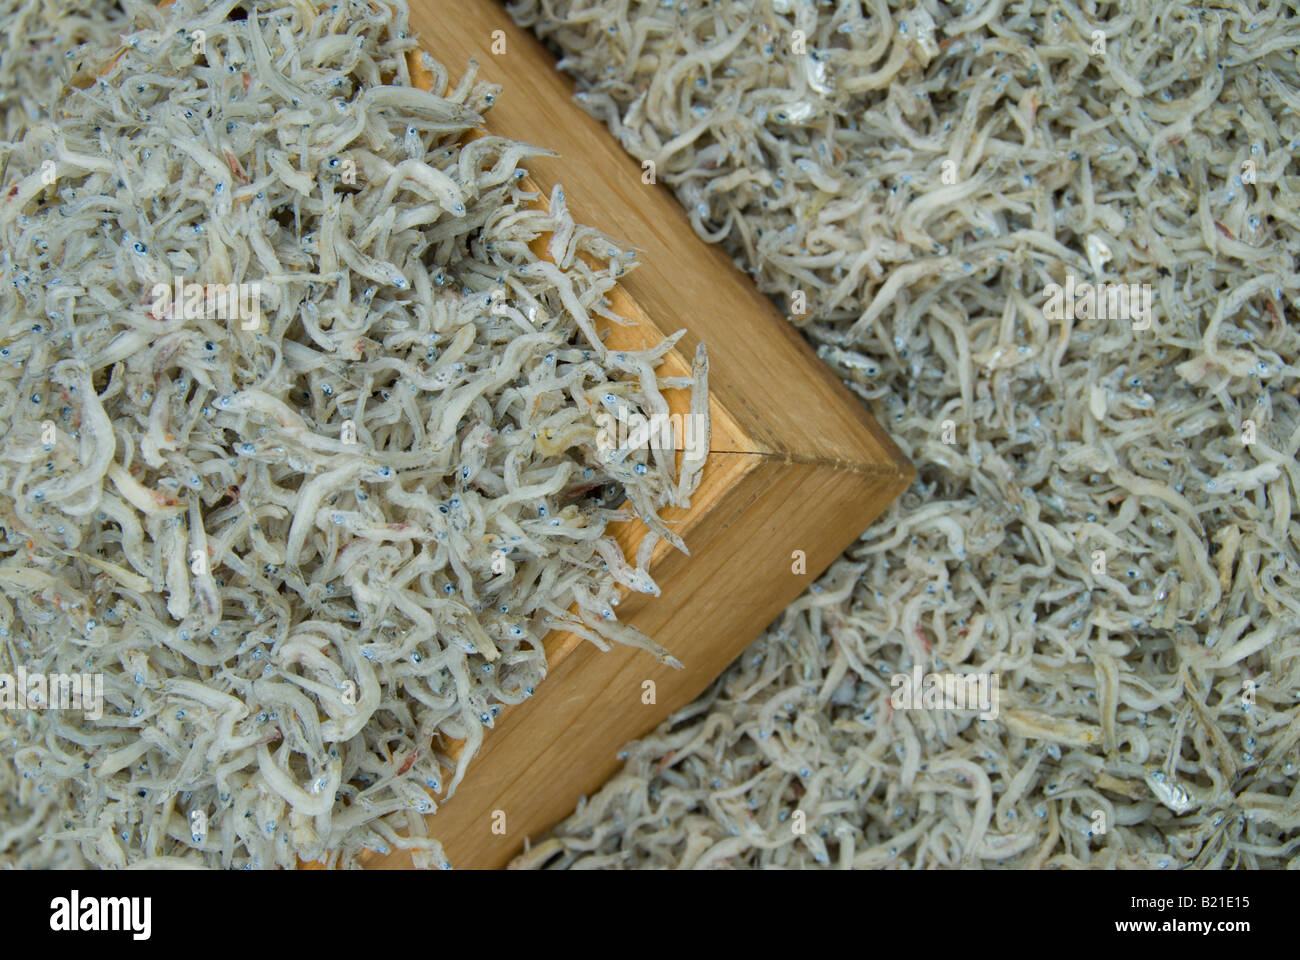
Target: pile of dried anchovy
[(300, 437), (1104, 515)]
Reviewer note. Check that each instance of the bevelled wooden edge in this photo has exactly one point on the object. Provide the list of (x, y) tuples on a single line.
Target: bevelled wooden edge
[(801, 472), (797, 464)]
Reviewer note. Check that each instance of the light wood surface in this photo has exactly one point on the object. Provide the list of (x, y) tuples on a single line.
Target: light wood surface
[(795, 463)]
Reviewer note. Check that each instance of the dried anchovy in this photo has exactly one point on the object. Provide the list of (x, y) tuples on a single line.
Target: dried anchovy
[(46, 45), (919, 176), (309, 550)]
